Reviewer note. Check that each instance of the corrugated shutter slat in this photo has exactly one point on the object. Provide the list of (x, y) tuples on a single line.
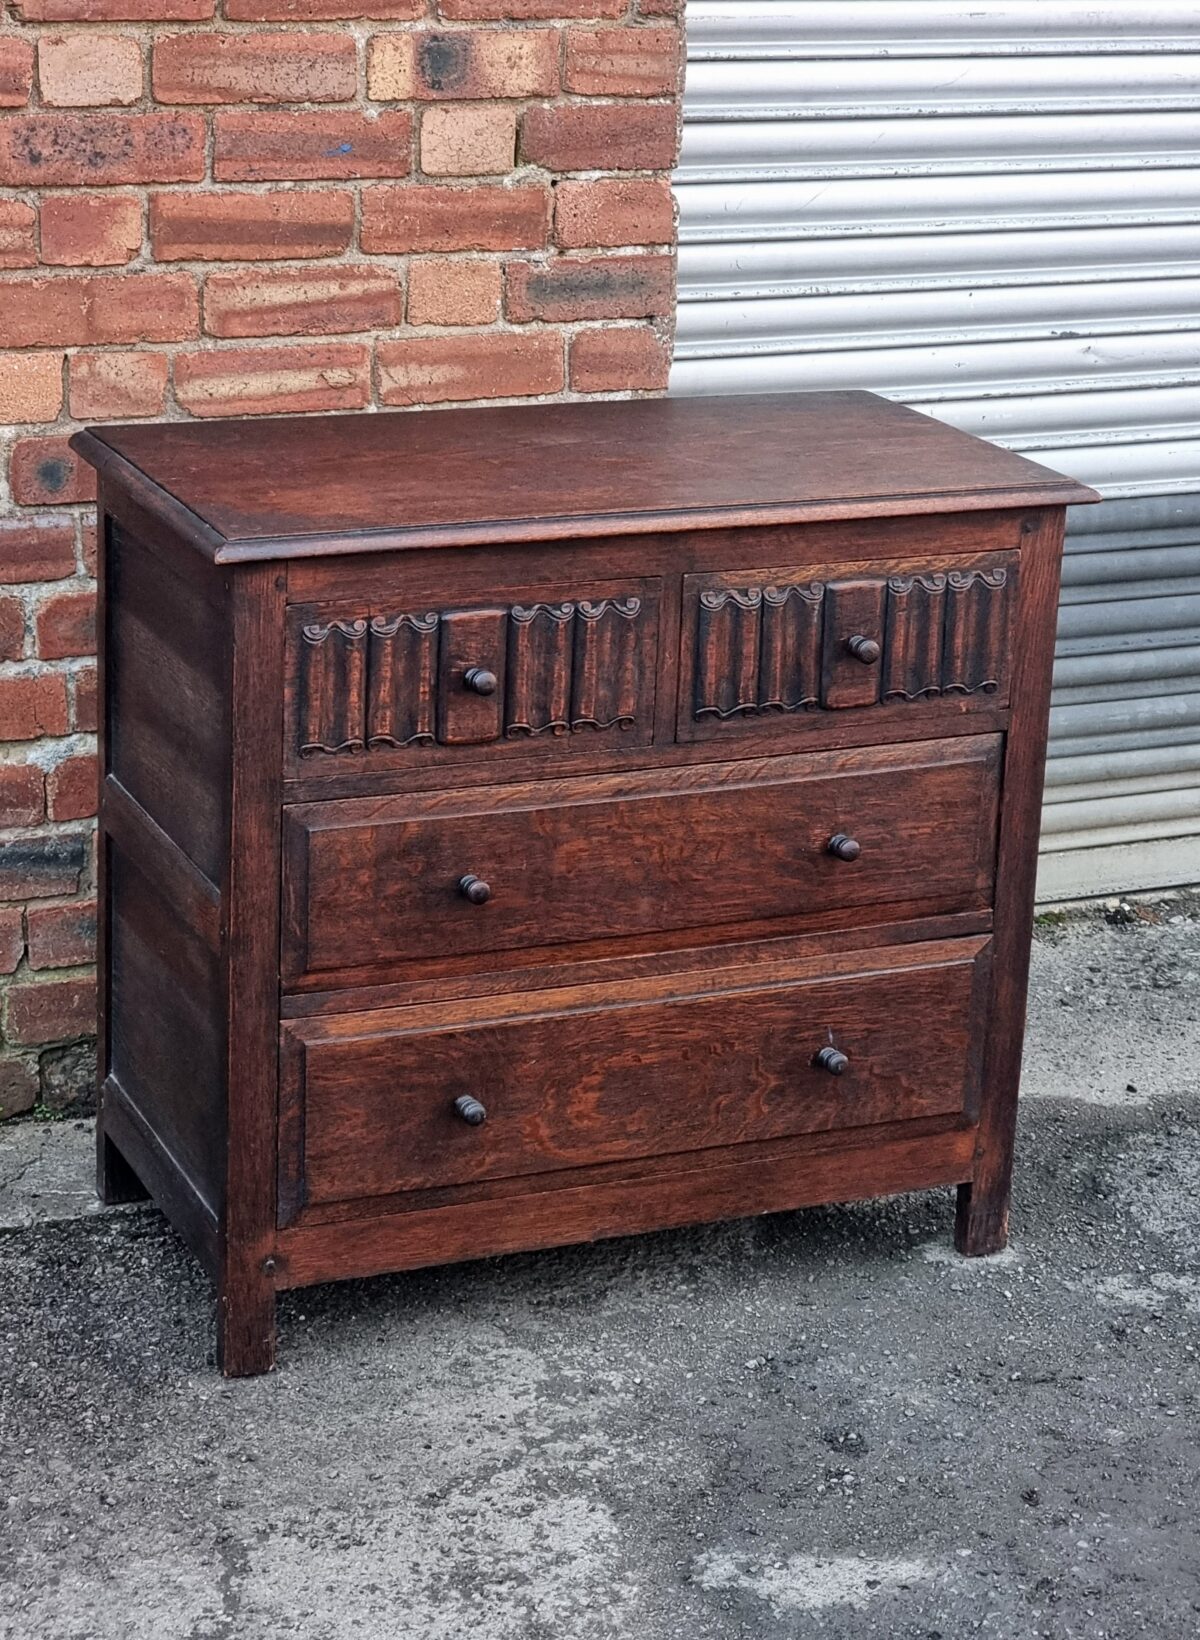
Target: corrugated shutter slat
[(990, 210)]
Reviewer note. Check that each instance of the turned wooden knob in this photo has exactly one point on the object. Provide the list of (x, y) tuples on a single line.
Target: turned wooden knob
[(474, 889), (863, 649), (471, 1111), (832, 1060), (479, 680), (844, 847)]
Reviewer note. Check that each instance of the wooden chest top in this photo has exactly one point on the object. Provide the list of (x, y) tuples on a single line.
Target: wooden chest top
[(305, 486)]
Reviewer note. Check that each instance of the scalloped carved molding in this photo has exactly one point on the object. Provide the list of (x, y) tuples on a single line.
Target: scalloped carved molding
[(759, 649), (570, 666)]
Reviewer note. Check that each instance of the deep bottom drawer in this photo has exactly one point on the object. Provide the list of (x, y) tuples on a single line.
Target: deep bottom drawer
[(609, 1073)]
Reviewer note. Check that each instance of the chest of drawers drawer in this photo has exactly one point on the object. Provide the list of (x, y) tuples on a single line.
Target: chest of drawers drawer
[(371, 883), (396, 1101), (762, 646), (405, 682)]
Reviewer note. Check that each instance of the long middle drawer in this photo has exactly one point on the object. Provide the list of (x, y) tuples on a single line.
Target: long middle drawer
[(372, 883)]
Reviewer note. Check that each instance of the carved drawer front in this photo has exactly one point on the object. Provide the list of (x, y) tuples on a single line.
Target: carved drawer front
[(763, 645), (455, 1093), (405, 682), (373, 882)]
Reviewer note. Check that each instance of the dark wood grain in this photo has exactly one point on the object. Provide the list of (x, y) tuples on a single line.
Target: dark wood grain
[(796, 1176), (367, 883), (524, 772), (166, 738), (564, 1077), (250, 897), (161, 654), (541, 472), (770, 643), (436, 685), (983, 1204)]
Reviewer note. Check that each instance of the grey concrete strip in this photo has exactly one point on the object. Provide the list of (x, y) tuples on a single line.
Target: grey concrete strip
[(47, 1172), (819, 1424)]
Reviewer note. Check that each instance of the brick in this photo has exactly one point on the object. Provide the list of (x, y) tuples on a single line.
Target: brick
[(658, 8), (112, 384), (469, 63), (62, 936), (100, 150), (271, 68), (65, 625), (72, 789), (613, 211), (67, 1078), (12, 629), (84, 712), (307, 302), (491, 365), (472, 11), (18, 249), (33, 705), (12, 939), (46, 472), (114, 11), (253, 381), (90, 230), (41, 868), (22, 794), (89, 70), (433, 218), (30, 386), (607, 137), (52, 1010), (16, 72), (594, 287), (319, 11), (41, 550), (448, 291), (619, 360), (18, 1088), (230, 227), (622, 62), (311, 146), (84, 308), (87, 545), (463, 141)]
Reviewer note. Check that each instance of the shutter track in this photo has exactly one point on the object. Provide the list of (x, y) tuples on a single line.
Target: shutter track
[(989, 210)]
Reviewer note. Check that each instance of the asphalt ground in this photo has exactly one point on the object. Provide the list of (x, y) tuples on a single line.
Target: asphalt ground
[(820, 1423)]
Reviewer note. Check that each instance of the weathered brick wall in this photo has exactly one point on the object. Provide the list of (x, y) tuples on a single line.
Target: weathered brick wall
[(295, 205)]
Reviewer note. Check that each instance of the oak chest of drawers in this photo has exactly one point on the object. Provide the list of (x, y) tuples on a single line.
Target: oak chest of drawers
[(522, 826)]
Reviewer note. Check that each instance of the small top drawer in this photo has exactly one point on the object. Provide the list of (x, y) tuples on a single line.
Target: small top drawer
[(775, 644), (403, 682)]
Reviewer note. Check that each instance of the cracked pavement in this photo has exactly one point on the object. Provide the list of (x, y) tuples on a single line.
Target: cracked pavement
[(814, 1424)]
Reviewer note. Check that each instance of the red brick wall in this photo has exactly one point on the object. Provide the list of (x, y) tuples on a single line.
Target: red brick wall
[(295, 205)]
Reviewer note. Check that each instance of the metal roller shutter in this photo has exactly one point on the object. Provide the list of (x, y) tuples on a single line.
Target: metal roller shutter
[(989, 209)]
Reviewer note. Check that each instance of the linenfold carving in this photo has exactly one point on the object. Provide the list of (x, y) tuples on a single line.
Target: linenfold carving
[(759, 649), (333, 669), (370, 683)]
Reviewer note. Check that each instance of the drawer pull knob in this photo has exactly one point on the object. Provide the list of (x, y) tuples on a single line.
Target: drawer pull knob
[(471, 1111), (844, 847), (863, 649), (479, 680), (832, 1060), (474, 889)]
